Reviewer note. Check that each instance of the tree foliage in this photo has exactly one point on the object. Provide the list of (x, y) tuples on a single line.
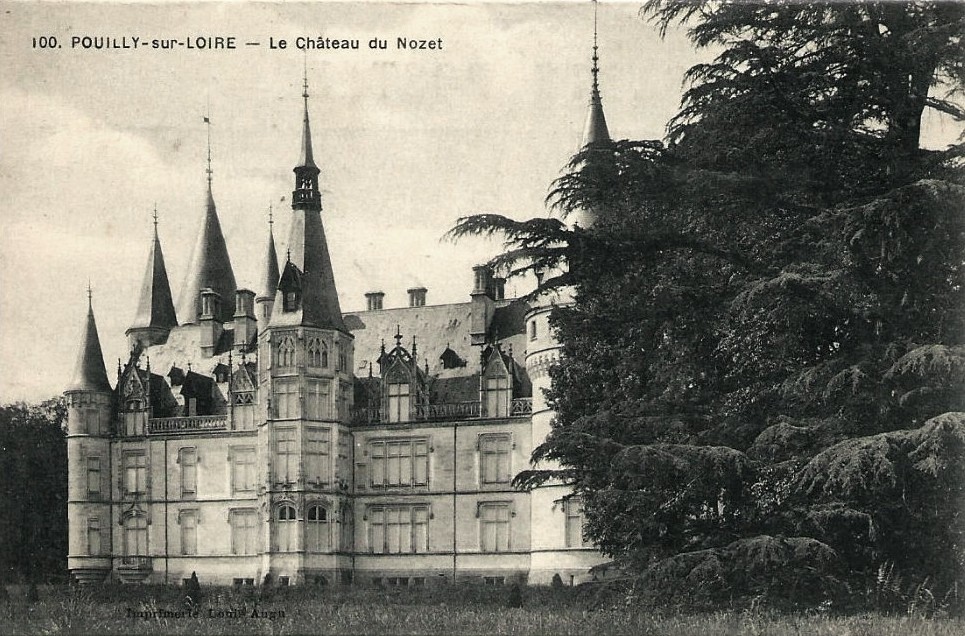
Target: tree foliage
[(766, 355), (33, 496)]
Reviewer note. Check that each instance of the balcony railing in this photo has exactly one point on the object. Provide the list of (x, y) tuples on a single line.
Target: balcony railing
[(193, 424), (519, 407), (452, 410)]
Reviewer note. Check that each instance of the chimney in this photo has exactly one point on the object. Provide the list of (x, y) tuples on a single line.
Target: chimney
[(211, 327), (246, 325), (481, 275), (499, 288), (483, 306), (417, 296), (373, 300)]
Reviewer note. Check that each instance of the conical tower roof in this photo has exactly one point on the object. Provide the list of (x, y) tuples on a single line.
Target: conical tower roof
[(156, 307), (210, 266), (269, 284), (318, 304), (90, 374), (595, 131)]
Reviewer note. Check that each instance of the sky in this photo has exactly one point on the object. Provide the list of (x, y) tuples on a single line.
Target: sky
[(407, 141)]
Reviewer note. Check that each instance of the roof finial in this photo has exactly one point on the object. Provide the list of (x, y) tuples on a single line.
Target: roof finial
[(90, 295), (271, 218), (305, 78), (155, 217), (596, 57)]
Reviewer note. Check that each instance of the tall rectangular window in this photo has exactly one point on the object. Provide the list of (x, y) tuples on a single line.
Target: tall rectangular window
[(189, 532), (286, 456), (317, 533), (135, 473), (574, 524), (94, 544), (494, 455), (242, 469), (494, 527), (399, 462), (93, 478), (398, 402), (317, 455), (398, 529), (244, 531), (497, 397), (188, 460), (318, 404), (135, 536), (285, 403)]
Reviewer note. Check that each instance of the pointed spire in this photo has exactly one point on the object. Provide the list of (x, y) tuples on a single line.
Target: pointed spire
[(156, 307), (595, 130), (270, 282), (308, 270), (306, 159), (90, 373), (210, 265)]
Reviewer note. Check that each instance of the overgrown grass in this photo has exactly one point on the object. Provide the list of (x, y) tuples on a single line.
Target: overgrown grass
[(441, 610)]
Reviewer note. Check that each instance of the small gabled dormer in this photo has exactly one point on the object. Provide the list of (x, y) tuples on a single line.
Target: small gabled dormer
[(403, 383), (290, 287), (496, 383)]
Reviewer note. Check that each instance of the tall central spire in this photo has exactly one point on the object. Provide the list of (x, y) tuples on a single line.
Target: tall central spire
[(595, 130), (210, 266), (306, 290), (307, 159)]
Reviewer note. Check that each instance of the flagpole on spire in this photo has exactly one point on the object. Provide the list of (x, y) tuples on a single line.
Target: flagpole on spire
[(207, 120)]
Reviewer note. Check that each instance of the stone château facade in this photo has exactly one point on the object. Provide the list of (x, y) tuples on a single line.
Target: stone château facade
[(255, 432)]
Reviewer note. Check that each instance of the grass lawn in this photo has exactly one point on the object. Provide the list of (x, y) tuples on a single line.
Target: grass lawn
[(443, 610)]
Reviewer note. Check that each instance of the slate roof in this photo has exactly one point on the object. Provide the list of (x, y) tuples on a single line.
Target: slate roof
[(269, 284), (156, 307), (90, 374), (210, 267)]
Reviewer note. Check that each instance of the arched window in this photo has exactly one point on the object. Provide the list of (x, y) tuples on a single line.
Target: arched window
[(317, 532), (317, 353), (285, 526), (135, 535), (285, 352)]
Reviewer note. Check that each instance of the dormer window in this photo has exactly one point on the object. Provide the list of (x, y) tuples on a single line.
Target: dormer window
[(291, 302), (290, 286), (399, 400), (496, 386)]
